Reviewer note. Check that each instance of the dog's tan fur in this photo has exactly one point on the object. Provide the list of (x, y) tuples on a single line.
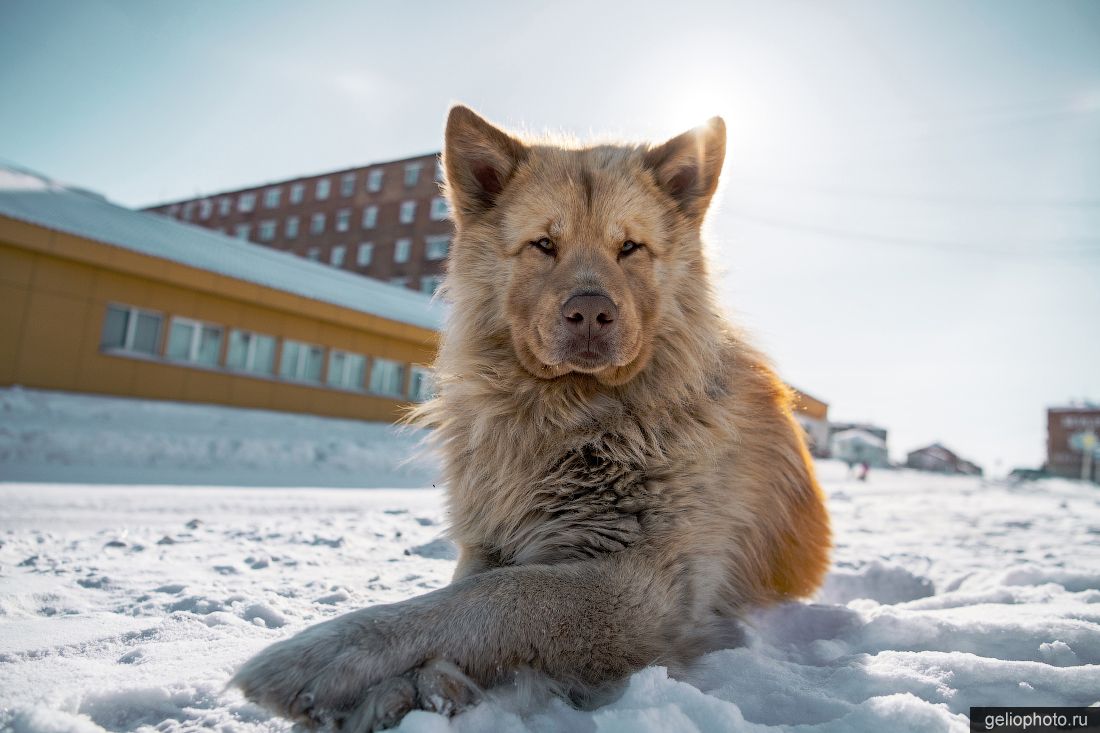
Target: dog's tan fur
[(612, 513)]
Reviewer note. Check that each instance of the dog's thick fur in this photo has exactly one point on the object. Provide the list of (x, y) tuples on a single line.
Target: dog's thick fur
[(612, 509)]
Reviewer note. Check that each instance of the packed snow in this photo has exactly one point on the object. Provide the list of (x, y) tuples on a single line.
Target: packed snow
[(128, 607)]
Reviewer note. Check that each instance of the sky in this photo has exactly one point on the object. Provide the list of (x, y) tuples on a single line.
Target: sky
[(909, 218)]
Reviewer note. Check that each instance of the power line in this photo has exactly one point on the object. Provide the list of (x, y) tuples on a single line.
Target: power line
[(1079, 246)]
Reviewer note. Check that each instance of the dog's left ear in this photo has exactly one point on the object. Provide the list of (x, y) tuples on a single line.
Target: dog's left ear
[(479, 160), (687, 166)]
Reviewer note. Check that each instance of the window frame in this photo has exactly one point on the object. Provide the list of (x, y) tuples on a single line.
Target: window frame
[(412, 174), (431, 247), (377, 362), (342, 222), (246, 202), (297, 193), (376, 178), (317, 216), (272, 197), (132, 312), (347, 185), (332, 255), (370, 217), (298, 366), (333, 355), (325, 185), (194, 347), (402, 245), (267, 230), (367, 247), (250, 352), (407, 213)]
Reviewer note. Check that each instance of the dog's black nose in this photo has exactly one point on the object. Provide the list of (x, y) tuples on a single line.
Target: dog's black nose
[(589, 314)]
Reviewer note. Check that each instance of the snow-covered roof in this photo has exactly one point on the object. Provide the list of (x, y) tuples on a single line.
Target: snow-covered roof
[(35, 199), (855, 434)]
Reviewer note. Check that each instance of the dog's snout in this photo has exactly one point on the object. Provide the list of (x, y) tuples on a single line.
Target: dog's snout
[(591, 313)]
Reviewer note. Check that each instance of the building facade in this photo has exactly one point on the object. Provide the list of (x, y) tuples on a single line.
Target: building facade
[(1067, 431), (813, 415), (940, 459), (388, 221), (103, 299)]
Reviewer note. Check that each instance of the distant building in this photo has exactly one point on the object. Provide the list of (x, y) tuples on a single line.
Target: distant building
[(940, 459), (388, 221), (100, 298), (859, 446), (876, 430), (1067, 428), (813, 415)]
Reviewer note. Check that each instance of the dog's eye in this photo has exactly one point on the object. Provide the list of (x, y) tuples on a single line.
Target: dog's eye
[(545, 246), (629, 248)]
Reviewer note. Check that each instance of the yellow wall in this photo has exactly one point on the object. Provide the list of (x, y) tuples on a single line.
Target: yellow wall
[(54, 292)]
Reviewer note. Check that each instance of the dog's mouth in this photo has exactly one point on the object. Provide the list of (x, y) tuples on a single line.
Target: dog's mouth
[(587, 361)]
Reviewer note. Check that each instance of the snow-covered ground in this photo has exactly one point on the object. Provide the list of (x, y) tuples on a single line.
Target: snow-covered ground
[(128, 607)]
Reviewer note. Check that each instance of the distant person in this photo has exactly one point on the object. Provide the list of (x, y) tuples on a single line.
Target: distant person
[(864, 469)]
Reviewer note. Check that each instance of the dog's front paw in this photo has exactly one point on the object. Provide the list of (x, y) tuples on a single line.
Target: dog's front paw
[(438, 686), (322, 673)]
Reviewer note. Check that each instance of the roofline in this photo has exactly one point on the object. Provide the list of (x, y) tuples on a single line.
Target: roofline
[(54, 246), (283, 182)]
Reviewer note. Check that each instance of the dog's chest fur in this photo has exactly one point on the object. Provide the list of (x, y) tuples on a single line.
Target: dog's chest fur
[(595, 500)]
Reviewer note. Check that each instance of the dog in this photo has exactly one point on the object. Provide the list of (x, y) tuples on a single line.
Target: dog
[(624, 475)]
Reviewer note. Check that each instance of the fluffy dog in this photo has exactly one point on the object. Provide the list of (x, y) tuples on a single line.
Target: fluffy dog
[(624, 476)]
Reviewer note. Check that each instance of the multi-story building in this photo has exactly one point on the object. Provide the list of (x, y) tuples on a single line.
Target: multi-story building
[(940, 459), (388, 220)]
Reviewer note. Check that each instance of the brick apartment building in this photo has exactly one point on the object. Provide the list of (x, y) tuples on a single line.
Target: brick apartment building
[(387, 220), (1065, 428)]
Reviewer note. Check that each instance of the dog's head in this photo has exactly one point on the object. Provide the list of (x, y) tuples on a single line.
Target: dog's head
[(580, 254)]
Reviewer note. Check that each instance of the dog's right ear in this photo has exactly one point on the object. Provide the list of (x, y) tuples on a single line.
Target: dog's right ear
[(479, 159)]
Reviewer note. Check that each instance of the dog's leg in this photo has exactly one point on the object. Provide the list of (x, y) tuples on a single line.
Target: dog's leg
[(583, 624)]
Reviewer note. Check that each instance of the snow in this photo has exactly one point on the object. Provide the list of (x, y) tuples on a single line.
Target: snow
[(30, 197), (56, 436), (127, 607)]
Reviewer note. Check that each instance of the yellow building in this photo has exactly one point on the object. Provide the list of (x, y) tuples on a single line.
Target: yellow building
[(100, 298)]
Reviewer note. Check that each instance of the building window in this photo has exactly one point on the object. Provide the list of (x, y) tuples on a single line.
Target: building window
[(347, 184), (374, 180), (420, 383), (440, 174), (408, 212), (187, 211), (272, 196), (440, 210), (291, 227), (241, 231), (206, 208), (313, 253), (412, 174), (401, 250), (225, 205), (130, 329), (437, 246), (387, 377), (267, 230), (251, 352), (247, 202), (301, 362), (363, 255), (297, 193), (430, 283), (336, 256), (322, 190), (317, 223), (193, 341), (343, 217), (346, 370), (370, 217)]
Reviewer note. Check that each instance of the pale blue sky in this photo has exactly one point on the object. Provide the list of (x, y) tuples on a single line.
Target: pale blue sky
[(910, 218)]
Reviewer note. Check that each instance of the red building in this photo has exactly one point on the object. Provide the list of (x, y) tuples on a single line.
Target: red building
[(386, 220), (1067, 431)]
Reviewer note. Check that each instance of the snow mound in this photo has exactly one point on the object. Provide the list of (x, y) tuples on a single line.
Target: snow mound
[(54, 436)]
